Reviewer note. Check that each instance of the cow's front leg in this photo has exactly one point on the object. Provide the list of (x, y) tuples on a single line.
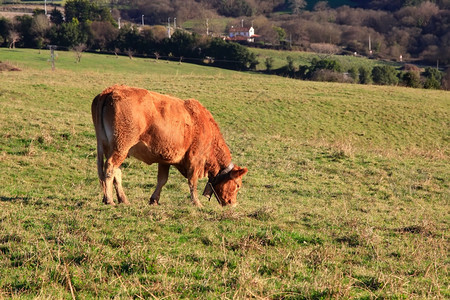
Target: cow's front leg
[(163, 175), (193, 189)]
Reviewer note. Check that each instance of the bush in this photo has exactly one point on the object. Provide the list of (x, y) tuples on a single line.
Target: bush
[(330, 76), (290, 64), (231, 55), (411, 79), (354, 74), (307, 72), (269, 63), (433, 78), (432, 83), (365, 75), (384, 75), (446, 80)]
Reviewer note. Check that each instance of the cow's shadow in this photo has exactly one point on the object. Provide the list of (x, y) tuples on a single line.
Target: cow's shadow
[(14, 199)]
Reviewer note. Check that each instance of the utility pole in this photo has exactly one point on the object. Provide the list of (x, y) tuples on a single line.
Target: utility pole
[(45, 7), (174, 24), (52, 55), (168, 27), (142, 20), (119, 22), (207, 27)]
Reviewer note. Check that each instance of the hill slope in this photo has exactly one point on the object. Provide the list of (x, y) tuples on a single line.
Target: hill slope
[(346, 196)]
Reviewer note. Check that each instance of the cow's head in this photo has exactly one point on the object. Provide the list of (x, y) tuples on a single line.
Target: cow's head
[(227, 187)]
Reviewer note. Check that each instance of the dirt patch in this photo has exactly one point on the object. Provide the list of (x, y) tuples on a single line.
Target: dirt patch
[(8, 67)]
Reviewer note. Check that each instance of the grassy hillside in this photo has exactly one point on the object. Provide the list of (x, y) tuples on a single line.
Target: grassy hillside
[(346, 196), (301, 58)]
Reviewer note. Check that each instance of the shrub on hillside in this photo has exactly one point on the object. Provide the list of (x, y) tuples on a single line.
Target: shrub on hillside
[(330, 76), (384, 75), (411, 79), (307, 72), (354, 74), (446, 80), (365, 75), (230, 55), (433, 78), (269, 63)]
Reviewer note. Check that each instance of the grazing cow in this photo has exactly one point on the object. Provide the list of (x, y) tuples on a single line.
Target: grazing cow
[(161, 129)]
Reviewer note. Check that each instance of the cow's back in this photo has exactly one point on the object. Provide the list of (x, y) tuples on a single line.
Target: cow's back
[(154, 127)]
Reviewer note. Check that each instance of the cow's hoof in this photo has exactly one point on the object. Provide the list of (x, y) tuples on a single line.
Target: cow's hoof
[(154, 201), (108, 201), (124, 201), (197, 204)]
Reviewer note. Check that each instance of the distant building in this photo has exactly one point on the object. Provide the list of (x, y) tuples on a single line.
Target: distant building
[(242, 34)]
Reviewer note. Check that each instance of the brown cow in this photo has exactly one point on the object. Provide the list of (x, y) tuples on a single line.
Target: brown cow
[(156, 128)]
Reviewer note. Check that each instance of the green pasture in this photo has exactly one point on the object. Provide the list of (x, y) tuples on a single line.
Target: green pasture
[(347, 194), (301, 58)]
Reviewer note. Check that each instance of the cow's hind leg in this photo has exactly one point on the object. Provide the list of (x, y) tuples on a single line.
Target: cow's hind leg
[(113, 176), (121, 197), (163, 175)]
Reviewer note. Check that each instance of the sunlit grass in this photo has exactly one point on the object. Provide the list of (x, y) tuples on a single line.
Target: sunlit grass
[(346, 196)]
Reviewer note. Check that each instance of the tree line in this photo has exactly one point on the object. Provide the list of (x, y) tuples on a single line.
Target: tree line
[(85, 25), (413, 29), (421, 27), (326, 69)]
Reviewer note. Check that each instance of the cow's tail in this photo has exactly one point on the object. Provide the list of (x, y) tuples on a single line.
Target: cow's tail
[(97, 108)]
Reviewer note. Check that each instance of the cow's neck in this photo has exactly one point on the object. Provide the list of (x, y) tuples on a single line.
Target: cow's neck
[(221, 157)]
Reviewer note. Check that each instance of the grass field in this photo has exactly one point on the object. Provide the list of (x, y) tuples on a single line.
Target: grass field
[(347, 194), (301, 58)]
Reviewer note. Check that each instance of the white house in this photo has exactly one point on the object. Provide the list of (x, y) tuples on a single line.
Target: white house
[(242, 34)]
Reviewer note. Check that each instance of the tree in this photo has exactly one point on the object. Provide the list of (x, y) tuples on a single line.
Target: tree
[(321, 5), (84, 10), (23, 26), (446, 80), (433, 78), (13, 38), (78, 50), (234, 8), (296, 5), (102, 36), (324, 50), (77, 9), (384, 75), (354, 74), (39, 27), (127, 38), (270, 33), (411, 79), (230, 55), (290, 64), (269, 63), (365, 75), (56, 16), (5, 28), (69, 34), (183, 44), (281, 33)]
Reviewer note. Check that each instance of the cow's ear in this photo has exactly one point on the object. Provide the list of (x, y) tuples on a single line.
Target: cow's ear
[(238, 173)]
